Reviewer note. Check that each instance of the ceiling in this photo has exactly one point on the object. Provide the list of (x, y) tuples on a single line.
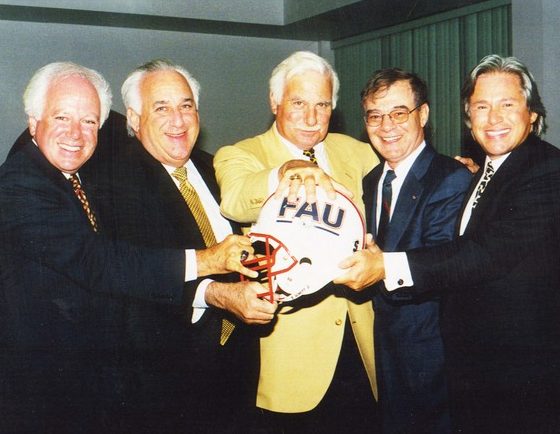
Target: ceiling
[(327, 20)]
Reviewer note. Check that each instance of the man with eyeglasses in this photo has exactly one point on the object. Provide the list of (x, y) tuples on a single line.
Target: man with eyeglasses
[(412, 200)]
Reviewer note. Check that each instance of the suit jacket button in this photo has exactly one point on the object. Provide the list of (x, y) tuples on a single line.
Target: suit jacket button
[(338, 321)]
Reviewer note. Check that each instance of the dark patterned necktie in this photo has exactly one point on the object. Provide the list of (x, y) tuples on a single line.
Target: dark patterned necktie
[(81, 195), (195, 205), (310, 153), (488, 174), (386, 198)]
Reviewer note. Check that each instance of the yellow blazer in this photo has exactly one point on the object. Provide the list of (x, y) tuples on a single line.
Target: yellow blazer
[(299, 357)]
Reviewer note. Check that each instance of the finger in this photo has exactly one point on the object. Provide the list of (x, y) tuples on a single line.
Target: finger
[(294, 189), (235, 266), (310, 190)]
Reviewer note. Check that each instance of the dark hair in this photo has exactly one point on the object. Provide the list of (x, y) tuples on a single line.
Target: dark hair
[(382, 79), (495, 63)]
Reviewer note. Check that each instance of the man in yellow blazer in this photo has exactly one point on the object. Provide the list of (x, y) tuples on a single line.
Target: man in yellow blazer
[(317, 369)]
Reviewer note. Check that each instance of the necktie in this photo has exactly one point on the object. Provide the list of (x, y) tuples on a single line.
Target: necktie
[(386, 197), (310, 153), (81, 195), (488, 174), (195, 205)]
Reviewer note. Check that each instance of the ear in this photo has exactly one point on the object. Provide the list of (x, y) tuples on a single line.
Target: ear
[(273, 104), (533, 117), (424, 114), (32, 124), (133, 120)]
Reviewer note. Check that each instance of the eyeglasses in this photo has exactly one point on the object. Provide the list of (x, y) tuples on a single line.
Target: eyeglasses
[(398, 116)]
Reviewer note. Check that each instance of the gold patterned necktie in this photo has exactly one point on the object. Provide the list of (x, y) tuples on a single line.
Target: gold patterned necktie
[(310, 153), (81, 195), (195, 205)]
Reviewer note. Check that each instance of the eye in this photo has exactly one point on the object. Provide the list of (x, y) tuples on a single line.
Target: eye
[(374, 117), (61, 118), (188, 107), (324, 105), (297, 103), (161, 109), (91, 122), (480, 107), (399, 115)]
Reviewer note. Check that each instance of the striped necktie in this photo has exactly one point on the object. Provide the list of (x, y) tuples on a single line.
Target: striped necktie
[(386, 199), (81, 195), (310, 153), (195, 205)]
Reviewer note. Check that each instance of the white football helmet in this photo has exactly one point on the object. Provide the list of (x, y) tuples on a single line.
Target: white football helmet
[(299, 245)]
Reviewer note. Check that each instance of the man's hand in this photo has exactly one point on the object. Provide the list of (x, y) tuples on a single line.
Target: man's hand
[(469, 163), (292, 174), (364, 267), (225, 257), (241, 299)]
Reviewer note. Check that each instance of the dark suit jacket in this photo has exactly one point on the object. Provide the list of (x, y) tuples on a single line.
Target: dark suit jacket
[(179, 375), (61, 302), (409, 349), (501, 282)]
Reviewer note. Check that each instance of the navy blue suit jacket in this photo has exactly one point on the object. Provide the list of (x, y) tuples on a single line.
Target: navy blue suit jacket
[(409, 349), (501, 286), (177, 372), (63, 291)]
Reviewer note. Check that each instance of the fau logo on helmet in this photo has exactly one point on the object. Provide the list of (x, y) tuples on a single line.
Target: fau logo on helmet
[(299, 245)]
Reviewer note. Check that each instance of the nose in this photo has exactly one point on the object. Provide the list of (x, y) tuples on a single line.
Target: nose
[(495, 115), (75, 131), (311, 115), (386, 122), (177, 119)]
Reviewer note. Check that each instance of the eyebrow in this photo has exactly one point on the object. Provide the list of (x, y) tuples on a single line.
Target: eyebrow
[(404, 107), (166, 101)]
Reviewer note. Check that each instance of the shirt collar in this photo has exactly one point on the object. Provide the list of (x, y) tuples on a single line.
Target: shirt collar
[(404, 166)]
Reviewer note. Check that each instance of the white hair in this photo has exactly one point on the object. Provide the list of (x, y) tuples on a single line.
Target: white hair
[(298, 63), (130, 90), (35, 95)]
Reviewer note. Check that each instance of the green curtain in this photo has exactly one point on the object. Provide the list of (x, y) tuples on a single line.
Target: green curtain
[(442, 49)]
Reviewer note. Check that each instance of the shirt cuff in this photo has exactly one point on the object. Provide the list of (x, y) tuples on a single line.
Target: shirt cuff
[(191, 267), (397, 271), (199, 302)]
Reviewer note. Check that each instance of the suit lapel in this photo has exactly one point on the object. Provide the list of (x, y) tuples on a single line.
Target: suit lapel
[(409, 197), (370, 183)]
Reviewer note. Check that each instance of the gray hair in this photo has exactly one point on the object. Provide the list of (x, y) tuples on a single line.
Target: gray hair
[(130, 89), (495, 63), (298, 63), (35, 94)]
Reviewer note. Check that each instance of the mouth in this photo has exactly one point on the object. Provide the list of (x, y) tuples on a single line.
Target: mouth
[(68, 147), (175, 136), (391, 139), (497, 133)]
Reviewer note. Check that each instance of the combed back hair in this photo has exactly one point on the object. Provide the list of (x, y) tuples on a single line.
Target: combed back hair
[(35, 94), (130, 90), (298, 63), (383, 79), (495, 63)]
